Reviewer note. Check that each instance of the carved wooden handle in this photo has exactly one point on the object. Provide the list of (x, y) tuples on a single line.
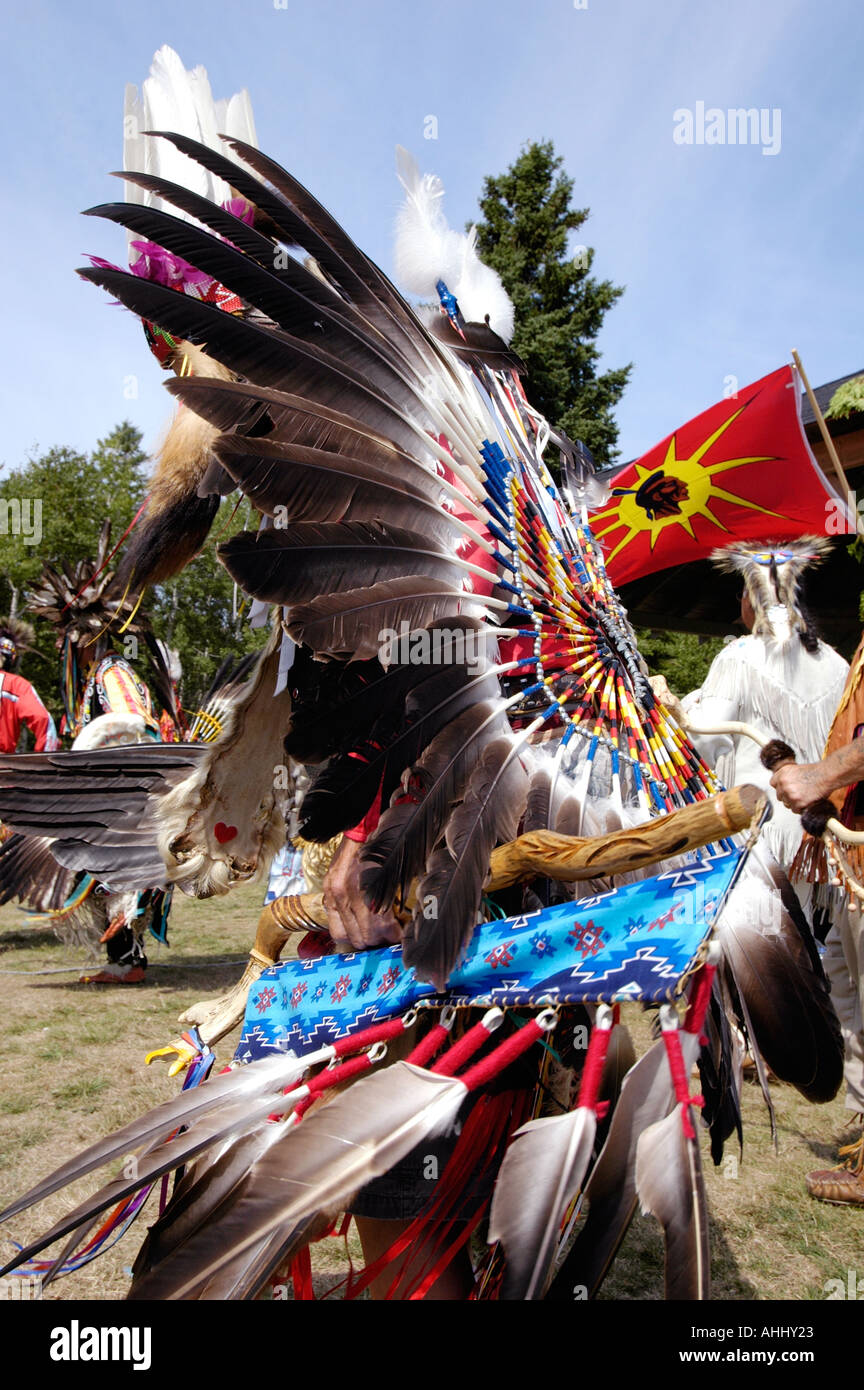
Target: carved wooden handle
[(562, 857)]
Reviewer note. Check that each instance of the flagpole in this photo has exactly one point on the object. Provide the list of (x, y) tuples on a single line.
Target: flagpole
[(826, 438)]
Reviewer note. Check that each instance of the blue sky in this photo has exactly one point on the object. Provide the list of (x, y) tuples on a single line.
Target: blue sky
[(730, 257)]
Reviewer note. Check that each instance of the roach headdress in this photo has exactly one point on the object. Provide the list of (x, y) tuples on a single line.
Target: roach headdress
[(15, 637), (91, 613), (771, 572)]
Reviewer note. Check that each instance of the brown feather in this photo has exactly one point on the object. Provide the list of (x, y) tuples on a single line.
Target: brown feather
[(671, 1187), (314, 1166), (646, 1096)]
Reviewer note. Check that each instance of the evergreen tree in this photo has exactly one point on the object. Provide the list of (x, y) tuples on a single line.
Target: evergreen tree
[(682, 657), (196, 614), (63, 497), (560, 306), (193, 613)]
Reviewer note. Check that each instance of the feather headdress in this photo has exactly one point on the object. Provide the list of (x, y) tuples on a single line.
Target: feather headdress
[(398, 471), (90, 612), (772, 572), (16, 637)]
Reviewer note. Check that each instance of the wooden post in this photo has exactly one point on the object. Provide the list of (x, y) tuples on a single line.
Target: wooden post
[(827, 440)]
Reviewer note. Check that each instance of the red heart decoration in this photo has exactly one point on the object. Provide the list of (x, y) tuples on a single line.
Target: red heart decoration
[(224, 832)]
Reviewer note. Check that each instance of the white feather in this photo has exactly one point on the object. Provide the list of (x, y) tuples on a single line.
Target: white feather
[(480, 292), (173, 99), (428, 250)]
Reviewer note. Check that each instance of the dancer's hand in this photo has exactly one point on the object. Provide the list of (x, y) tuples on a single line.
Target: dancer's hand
[(797, 784), (351, 924)]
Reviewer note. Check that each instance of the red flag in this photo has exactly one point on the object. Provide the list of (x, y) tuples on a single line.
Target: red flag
[(742, 470)]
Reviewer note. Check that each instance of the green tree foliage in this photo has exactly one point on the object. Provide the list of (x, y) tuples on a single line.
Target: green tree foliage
[(198, 614), (193, 613), (682, 657), (847, 400), (525, 235)]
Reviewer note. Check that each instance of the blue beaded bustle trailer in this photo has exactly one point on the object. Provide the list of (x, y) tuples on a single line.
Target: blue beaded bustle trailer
[(636, 942)]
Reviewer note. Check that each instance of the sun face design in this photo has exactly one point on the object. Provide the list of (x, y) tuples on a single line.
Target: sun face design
[(673, 493)]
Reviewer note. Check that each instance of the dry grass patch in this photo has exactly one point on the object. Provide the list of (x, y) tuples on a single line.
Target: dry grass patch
[(73, 1069)]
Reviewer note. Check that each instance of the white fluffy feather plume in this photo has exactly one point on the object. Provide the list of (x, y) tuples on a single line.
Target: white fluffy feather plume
[(428, 250), (480, 293), (173, 99)]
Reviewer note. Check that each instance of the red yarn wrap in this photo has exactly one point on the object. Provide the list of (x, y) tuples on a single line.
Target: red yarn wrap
[(334, 1076), (595, 1060), (680, 1080), (502, 1057), (331, 1076), (379, 1032), (428, 1046), (700, 996), (463, 1050)]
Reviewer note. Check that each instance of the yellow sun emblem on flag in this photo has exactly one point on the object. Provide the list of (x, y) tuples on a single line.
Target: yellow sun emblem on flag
[(675, 492)]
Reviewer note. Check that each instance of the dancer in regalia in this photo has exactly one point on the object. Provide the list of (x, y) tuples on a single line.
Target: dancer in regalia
[(834, 781), (20, 704), (398, 472), (780, 677), (106, 704)]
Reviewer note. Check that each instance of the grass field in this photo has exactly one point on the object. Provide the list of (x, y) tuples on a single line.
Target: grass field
[(73, 1069)]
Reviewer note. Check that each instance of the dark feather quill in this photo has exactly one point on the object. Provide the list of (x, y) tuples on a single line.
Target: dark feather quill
[(780, 981)]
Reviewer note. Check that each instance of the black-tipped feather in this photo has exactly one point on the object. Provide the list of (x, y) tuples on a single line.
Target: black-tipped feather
[(264, 353), (718, 1076), (290, 567), (229, 405), (780, 982), (407, 832), (299, 484), (350, 783), (351, 623), (260, 286), (450, 892)]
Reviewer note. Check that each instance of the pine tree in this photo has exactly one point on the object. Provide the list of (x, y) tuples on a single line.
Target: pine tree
[(71, 494), (682, 657), (560, 306), (120, 461)]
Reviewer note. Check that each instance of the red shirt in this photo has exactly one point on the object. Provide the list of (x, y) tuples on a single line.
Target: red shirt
[(19, 704)]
